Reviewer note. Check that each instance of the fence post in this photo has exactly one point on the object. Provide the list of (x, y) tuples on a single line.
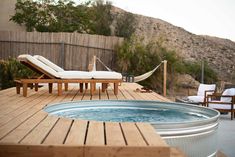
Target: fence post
[(62, 55), (202, 72), (164, 77)]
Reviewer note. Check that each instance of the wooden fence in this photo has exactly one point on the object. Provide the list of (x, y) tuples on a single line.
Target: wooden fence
[(72, 51)]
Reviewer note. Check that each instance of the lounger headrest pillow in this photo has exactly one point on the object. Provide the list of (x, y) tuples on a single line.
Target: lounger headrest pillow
[(49, 63), (39, 64), (230, 92), (22, 57), (204, 87)]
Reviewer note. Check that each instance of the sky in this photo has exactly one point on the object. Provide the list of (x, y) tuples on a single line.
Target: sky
[(202, 17)]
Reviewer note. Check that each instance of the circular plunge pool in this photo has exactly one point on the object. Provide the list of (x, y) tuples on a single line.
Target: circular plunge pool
[(191, 128)]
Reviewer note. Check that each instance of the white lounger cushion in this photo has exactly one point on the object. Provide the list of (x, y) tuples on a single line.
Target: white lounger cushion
[(106, 75), (39, 64), (49, 63), (75, 75), (220, 106), (201, 92), (196, 98), (205, 87), (231, 92), (89, 75)]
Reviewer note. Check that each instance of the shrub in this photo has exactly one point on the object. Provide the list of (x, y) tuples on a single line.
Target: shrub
[(126, 25), (136, 58), (194, 69), (11, 70)]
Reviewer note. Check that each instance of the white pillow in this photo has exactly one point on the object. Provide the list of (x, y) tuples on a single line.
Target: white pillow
[(204, 87), (49, 63), (231, 92), (39, 64)]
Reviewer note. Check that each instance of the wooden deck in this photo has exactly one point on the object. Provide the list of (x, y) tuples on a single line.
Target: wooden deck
[(26, 130)]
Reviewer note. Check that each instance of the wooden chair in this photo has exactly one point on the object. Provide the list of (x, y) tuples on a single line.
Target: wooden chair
[(225, 103), (203, 91)]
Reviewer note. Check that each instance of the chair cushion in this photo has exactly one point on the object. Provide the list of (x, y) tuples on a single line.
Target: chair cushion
[(204, 87), (217, 105), (196, 98), (231, 92), (49, 63), (75, 75), (41, 65), (105, 75)]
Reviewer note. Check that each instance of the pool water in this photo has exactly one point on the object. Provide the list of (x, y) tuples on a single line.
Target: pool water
[(130, 114)]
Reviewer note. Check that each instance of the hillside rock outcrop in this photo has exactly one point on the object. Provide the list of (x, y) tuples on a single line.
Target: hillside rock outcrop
[(218, 52)]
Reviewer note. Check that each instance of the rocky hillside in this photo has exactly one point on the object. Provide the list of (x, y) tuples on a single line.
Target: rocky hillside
[(220, 53)]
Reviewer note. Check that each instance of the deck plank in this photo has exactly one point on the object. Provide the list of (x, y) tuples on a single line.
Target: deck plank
[(130, 90), (8, 117), (103, 95), (5, 101), (121, 96), (17, 134), (9, 92), (23, 150), (78, 95), (125, 93), (59, 132), (141, 96), (114, 136), (86, 95), (69, 95), (5, 91), (13, 103), (14, 123), (145, 96), (152, 95), (95, 134), (77, 133), (40, 132), (132, 134), (18, 107), (96, 95), (110, 94), (174, 152), (149, 134)]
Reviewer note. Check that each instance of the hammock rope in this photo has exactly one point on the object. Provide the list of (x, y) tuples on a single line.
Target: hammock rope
[(103, 64), (136, 78)]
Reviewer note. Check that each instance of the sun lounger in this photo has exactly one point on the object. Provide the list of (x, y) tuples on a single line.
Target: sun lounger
[(75, 74), (51, 73)]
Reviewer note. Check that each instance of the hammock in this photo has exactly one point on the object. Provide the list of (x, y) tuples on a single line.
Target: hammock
[(136, 78), (146, 75)]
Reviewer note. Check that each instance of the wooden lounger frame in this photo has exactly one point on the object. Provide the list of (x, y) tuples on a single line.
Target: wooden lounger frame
[(25, 82), (50, 79)]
